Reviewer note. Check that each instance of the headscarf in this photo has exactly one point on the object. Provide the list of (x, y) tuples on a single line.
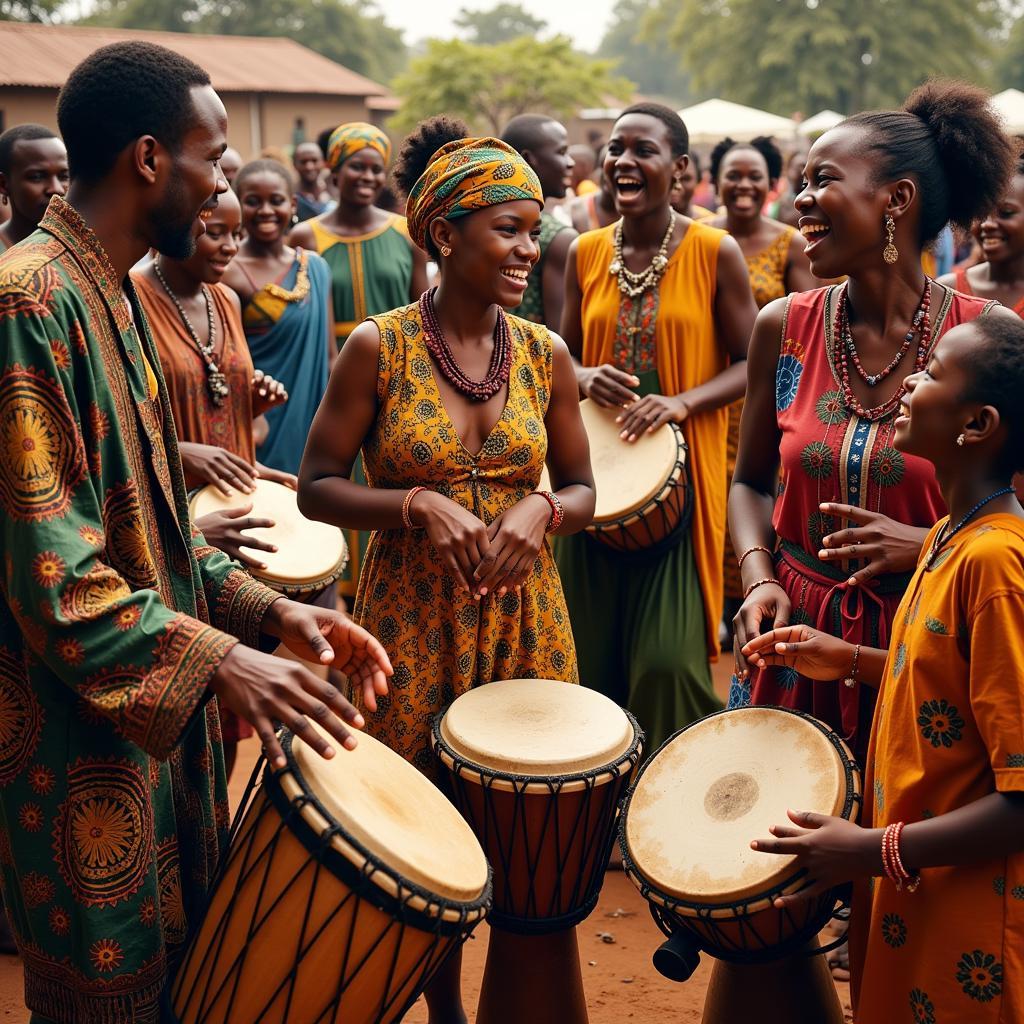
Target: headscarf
[(468, 175), (348, 139)]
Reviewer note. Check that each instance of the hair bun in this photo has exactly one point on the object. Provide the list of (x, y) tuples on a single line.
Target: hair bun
[(418, 147)]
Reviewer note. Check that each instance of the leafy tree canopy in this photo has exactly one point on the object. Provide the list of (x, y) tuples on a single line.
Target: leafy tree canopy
[(499, 24)]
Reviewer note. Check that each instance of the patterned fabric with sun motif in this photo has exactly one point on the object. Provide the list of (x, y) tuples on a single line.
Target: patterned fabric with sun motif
[(442, 641), (828, 454), (949, 730), (113, 803)]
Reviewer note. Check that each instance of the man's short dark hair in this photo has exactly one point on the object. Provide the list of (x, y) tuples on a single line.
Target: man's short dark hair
[(526, 130), (120, 93), (20, 133)]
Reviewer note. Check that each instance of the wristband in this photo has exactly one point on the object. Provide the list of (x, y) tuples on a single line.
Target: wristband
[(557, 512), (851, 680), (406, 514), (750, 551), (892, 862), (760, 583)]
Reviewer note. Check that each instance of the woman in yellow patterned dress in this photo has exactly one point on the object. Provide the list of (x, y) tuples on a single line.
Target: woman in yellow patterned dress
[(456, 406), (745, 173)]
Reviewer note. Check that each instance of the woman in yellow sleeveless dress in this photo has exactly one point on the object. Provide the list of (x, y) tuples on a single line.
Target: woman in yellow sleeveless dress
[(646, 624), (745, 173)]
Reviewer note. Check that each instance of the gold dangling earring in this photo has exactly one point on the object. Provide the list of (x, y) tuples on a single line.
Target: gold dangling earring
[(960, 441), (445, 251), (890, 253)]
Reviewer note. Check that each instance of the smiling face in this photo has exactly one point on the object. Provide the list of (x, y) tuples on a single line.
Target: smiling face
[(841, 207), (194, 180), (309, 162), (639, 166), (218, 245), (267, 206), (361, 178), (743, 182), (549, 156), (39, 171), (933, 411), (494, 249), (1001, 233)]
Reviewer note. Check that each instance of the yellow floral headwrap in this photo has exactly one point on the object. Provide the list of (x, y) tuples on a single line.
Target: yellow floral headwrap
[(468, 175), (348, 139)]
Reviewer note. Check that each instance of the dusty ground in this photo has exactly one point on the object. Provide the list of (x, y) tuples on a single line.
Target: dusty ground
[(621, 984)]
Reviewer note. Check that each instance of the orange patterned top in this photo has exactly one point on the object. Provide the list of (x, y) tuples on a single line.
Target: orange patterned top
[(441, 641)]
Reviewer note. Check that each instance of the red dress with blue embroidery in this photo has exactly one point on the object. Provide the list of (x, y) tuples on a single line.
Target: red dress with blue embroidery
[(829, 454)]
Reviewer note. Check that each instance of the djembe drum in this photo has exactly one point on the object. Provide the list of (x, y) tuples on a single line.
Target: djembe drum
[(538, 768), (346, 884), (643, 493), (685, 835), (310, 556)]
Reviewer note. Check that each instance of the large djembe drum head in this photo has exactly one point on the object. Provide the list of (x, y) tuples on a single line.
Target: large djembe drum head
[(309, 556)]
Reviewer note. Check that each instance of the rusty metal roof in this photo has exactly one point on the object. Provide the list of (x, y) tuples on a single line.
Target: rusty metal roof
[(44, 55)]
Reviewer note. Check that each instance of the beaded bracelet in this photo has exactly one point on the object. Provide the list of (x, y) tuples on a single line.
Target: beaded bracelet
[(760, 583), (851, 680), (406, 506), (750, 551), (557, 511), (892, 862)]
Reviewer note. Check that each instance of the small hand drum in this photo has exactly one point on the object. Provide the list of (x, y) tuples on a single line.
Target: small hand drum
[(688, 822), (310, 555), (538, 768), (346, 884)]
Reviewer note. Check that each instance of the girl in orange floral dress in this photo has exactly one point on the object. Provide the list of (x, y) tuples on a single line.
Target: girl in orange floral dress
[(938, 932)]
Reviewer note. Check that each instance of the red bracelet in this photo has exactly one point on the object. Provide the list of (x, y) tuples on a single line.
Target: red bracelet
[(760, 583), (557, 512), (892, 863), (406, 515)]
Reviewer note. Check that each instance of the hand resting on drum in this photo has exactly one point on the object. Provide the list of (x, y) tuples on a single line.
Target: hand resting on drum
[(208, 464), (225, 530), (265, 690), (607, 385), (886, 545), (649, 413)]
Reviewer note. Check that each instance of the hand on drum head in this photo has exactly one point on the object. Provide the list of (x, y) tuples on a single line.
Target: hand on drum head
[(768, 602), (609, 386), (267, 393), (886, 545), (265, 690), (277, 476), (225, 530), (515, 538), (812, 653), (459, 538), (228, 472), (832, 850), (651, 412), (329, 637)]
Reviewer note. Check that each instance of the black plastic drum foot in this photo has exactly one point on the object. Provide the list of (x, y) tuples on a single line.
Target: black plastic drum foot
[(677, 958)]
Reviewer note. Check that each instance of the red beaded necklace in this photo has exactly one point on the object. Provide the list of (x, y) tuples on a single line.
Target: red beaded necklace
[(846, 351), (437, 346)]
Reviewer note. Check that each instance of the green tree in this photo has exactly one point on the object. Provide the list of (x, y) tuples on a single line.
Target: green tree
[(500, 24), (44, 11), (487, 85), (1009, 72), (652, 62), (788, 55)]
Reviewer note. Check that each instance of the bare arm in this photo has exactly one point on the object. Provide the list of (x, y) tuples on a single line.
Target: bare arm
[(553, 279), (302, 236), (419, 283)]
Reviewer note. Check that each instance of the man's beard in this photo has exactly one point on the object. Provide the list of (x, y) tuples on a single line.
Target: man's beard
[(172, 224)]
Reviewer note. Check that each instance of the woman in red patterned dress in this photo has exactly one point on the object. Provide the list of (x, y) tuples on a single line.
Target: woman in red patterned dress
[(837, 546)]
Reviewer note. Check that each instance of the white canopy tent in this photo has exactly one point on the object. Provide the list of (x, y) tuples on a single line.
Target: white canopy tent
[(821, 122), (1009, 105), (712, 120)]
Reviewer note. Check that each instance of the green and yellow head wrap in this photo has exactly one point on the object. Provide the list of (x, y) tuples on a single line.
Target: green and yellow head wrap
[(348, 139), (468, 175)]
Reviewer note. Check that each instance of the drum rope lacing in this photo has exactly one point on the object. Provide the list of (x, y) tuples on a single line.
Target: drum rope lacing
[(524, 915), (404, 916), (700, 918)]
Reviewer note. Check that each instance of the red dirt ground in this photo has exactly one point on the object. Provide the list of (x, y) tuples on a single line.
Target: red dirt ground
[(620, 982)]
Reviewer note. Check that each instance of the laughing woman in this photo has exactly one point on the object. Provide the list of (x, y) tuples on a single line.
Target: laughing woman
[(826, 369), (664, 337)]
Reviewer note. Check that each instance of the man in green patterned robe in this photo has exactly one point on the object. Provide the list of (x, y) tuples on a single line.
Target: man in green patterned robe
[(117, 622)]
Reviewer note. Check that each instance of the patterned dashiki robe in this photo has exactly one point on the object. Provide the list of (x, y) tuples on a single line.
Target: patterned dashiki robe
[(113, 802)]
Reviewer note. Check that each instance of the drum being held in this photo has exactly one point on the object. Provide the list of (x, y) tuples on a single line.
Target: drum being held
[(346, 885), (685, 835), (538, 769), (310, 556)]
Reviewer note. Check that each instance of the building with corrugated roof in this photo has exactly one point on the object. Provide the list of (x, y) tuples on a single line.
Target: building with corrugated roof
[(276, 91)]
